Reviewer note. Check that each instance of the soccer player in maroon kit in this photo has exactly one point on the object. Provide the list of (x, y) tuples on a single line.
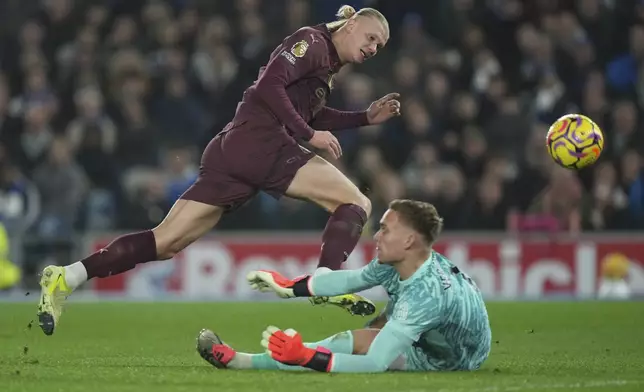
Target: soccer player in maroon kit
[(259, 150)]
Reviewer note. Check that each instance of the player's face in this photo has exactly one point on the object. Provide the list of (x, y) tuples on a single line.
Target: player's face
[(393, 238), (366, 36)]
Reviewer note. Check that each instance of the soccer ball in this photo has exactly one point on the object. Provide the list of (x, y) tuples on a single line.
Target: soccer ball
[(574, 141)]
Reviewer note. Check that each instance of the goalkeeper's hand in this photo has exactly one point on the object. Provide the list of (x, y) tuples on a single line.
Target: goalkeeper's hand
[(271, 281), (287, 347)]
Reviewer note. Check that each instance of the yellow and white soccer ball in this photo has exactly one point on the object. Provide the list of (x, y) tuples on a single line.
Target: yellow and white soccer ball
[(574, 141)]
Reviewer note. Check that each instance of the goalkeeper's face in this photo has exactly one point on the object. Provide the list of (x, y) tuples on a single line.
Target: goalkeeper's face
[(393, 239)]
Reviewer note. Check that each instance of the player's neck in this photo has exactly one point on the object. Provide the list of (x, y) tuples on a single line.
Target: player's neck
[(337, 37), (407, 267)]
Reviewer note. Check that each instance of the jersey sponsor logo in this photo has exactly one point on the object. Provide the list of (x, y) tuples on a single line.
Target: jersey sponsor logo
[(300, 48), (288, 56)]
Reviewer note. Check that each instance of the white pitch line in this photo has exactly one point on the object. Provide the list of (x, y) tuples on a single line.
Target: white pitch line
[(528, 387)]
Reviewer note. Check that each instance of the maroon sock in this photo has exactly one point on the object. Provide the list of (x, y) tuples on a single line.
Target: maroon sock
[(341, 235), (121, 255)]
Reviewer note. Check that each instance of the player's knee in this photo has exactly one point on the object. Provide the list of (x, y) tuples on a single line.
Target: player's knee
[(363, 202), (168, 244), (358, 200), (362, 339)]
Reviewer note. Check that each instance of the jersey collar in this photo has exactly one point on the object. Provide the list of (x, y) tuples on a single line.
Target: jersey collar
[(334, 57)]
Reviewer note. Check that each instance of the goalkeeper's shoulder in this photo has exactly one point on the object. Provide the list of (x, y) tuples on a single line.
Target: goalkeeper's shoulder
[(377, 271)]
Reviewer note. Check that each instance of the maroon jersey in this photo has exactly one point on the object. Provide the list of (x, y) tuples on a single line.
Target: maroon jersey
[(290, 93), (259, 149)]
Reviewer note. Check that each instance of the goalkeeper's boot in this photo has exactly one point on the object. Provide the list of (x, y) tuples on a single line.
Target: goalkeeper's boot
[(355, 304), (213, 350), (54, 291)]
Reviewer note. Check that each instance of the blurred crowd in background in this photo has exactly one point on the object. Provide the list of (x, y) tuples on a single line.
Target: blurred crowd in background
[(105, 107)]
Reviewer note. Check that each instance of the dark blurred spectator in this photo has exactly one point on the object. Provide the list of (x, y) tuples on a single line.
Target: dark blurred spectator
[(213, 61), (19, 200), (561, 201), (178, 114), (136, 138), (181, 169), (93, 137), (146, 199), (29, 145), (9, 125), (452, 198), (62, 186), (622, 71), (480, 82), (625, 130), (93, 127), (488, 209)]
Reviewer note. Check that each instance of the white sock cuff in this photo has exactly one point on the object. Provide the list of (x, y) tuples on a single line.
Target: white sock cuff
[(75, 275)]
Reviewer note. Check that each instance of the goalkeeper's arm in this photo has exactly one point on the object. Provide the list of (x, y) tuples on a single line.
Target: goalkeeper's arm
[(338, 283), (326, 284), (390, 343)]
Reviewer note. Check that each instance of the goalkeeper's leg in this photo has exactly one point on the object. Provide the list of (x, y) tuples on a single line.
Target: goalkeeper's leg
[(339, 343), (222, 356)]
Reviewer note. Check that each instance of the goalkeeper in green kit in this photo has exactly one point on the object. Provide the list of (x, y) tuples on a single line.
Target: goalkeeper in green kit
[(436, 319)]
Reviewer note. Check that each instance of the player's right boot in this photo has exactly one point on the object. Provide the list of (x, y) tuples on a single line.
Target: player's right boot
[(213, 350), (53, 292)]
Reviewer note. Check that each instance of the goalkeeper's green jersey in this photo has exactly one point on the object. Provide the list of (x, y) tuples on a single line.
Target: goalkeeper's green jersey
[(436, 319)]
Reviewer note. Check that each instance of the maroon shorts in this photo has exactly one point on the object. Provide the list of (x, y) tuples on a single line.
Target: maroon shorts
[(237, 164)]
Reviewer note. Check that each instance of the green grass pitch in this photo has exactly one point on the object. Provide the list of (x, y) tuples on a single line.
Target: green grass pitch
[(122, 347)]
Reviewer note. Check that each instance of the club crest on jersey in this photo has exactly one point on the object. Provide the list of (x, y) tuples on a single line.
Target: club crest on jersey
[(401, 311), (300, 48)]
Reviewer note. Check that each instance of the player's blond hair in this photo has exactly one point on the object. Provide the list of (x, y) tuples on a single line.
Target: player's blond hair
[(346, 12), (420, 216)]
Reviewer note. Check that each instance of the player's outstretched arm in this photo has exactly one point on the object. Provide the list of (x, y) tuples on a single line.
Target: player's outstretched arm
[(335, 120), (379, 111), (326, 284)]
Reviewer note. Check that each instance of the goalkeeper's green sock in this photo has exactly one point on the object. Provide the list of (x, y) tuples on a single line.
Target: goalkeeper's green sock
[(339, 343)]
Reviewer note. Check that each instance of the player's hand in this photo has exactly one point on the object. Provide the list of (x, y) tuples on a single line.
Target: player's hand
[(286, 346), (271, 281), (324, 140), (383, 109)]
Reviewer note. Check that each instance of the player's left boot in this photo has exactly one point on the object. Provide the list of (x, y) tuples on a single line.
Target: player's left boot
[(213, 350), (355, 304), (54, 291)]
